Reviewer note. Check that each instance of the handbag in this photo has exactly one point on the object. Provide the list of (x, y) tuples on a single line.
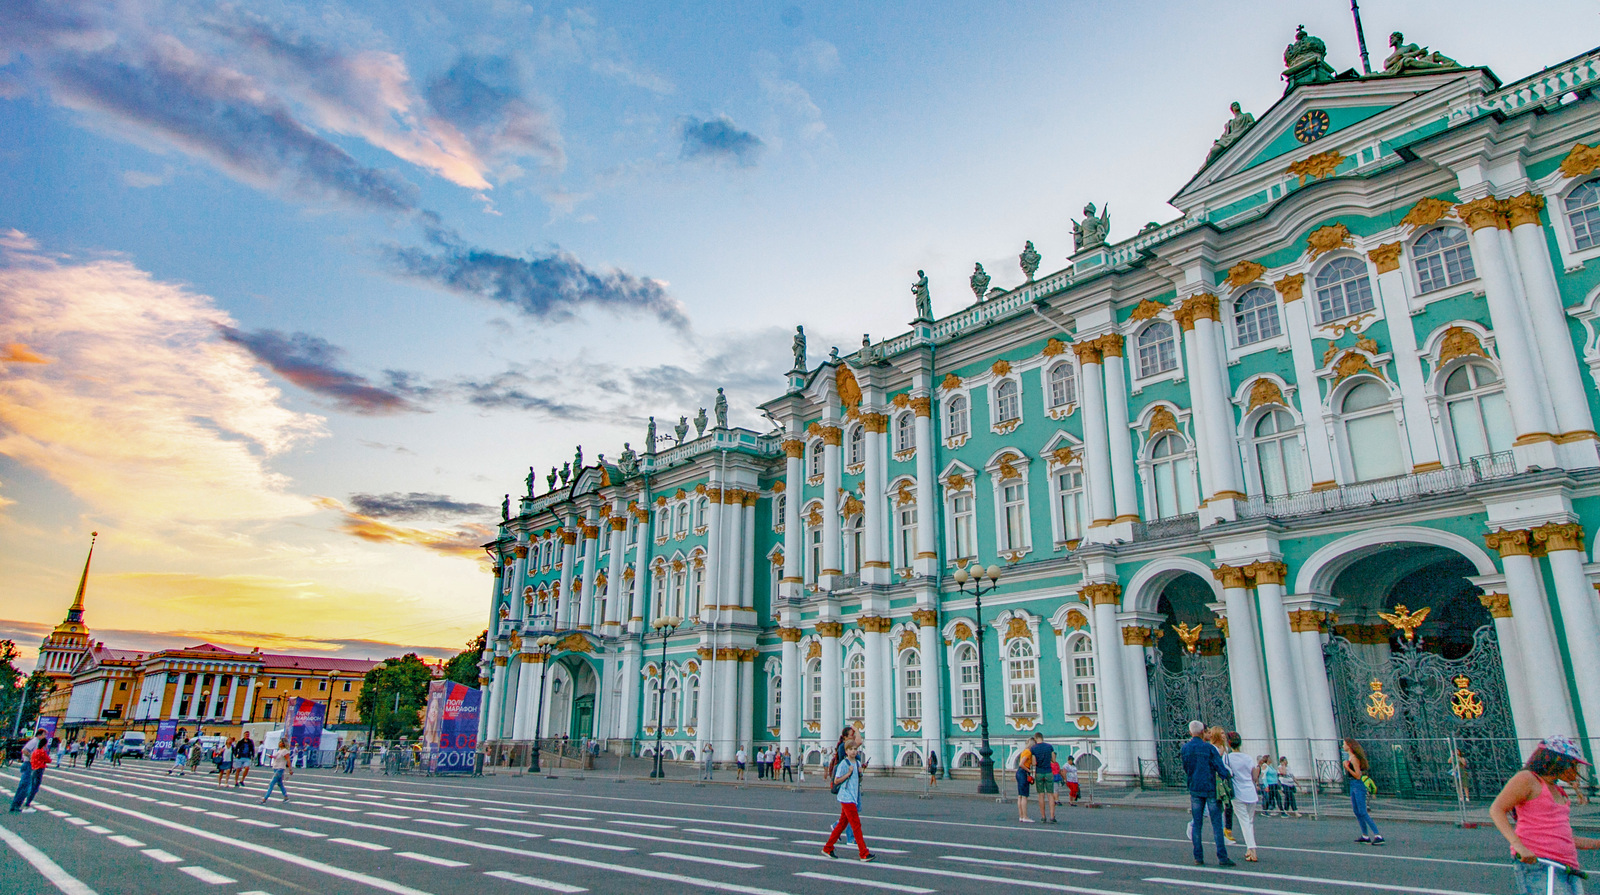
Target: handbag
[(1224, 789)]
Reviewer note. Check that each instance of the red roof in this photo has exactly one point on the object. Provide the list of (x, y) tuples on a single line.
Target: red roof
[(316, 663)]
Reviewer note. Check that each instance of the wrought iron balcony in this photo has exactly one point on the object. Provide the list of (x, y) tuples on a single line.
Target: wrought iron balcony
[(1396, 489), (1187, 525)]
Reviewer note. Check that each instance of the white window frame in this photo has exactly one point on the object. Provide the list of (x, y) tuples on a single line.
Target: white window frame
[(950, 417), (905, 433), (1254, 443), (1415, 259), (1057, 510), (1342, 420), (1346, 311), (1273, 304), (855, 445), (1139, 350), (963, 688), (1058, 409), (954, 523), (855, 686), (1148, 463), (910, 703), (813, 690), (1022, 694), (905, 534), (1073, 677), (1476, 395), (1000, 416)]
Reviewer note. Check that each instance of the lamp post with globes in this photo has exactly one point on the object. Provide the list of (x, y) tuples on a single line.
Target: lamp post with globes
[(986, 784), (542, 647), (665, 625)]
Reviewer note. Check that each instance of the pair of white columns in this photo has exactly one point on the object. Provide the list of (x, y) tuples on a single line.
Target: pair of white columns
[(926, 562), (790, 672), (880, 713), (1215, 433), (831, 477), (1116, 725), (876, 567), (793, 579), (832, 687), (642, 539), (616, 587), (591, 563), (566, 600), (1108, 445)]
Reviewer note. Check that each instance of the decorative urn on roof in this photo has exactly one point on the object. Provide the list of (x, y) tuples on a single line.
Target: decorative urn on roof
[(1303, 60)]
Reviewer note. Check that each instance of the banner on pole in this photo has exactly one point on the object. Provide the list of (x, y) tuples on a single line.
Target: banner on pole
[(450, 727), (48, 725), (304, 730), (166, 732)]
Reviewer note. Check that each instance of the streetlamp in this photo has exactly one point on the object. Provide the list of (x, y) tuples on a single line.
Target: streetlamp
[(986, 784), (665, 624), (542, 647)]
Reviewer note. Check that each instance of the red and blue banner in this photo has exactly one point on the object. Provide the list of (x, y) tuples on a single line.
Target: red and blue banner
[(48, 725), (166, 732), (303, 732), (450, 727)]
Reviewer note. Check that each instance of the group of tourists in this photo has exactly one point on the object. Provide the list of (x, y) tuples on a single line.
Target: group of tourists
[(1039, 770), (771, 764)]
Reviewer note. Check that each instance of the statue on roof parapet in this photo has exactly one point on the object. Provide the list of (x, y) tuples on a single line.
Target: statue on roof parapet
[(505, 510), (1030, 259), (1411, 58), (919, 289), (1092, 230), (550, 480), (681, 429), (700, 423), (532, 477), (629, 461), (650, 437), (566, 473), (720, 407), (799, 350), (979, 281), (577, 460), (1232, 131)]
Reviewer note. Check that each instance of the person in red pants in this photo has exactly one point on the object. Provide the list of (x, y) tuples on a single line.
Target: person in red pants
[(847, 783)]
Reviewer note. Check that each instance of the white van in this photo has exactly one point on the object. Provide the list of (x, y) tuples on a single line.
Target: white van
[(133, 744)]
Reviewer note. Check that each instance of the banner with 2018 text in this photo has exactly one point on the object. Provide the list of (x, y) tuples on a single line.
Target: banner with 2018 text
[(450, 727), (304, 730)]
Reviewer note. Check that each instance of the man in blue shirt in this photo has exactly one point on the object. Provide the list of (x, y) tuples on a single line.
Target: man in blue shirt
[(1202, 764)]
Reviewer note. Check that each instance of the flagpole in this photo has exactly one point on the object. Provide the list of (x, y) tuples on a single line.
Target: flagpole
[(1361, 37)]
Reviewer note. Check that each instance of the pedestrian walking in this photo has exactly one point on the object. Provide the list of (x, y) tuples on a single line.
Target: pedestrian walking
[(738, 764), (933, 769), (25, 771), (38, 761), (1202, 765), (1543, 847), (847, 784), (280, 768), (1024, 781), (847, 738), (1246, 773), (180, 757), (244, 755), (1044, 780), (708, 756), (197, 752), (788, 766), (1267, 774), (1286, 789), (1218, 738), (1069, 773), (1361, 786), (72, 753), (225, 763)]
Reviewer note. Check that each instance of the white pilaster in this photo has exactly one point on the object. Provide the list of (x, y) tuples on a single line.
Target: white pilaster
[(519, 578), (1576, 597), (794, 481), (1309, 617), (876, 567), (832, 689), (247, 715), (789, 691), (1218, 418), (642, 540), (1126, 493), (831, 473), (616, 588), (1288, 719), (1308, 390), (1244, 662), (566, 602), (1201, 412), (1133, 635), (927, 559), (1407, 367), (1096, 440), (233, 694), (880, 713), (591, 563), (747, 701), (1536, 637), (1116, 729), (931, 645)]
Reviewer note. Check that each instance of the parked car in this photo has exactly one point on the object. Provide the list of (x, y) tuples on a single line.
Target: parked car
[(133, 744)]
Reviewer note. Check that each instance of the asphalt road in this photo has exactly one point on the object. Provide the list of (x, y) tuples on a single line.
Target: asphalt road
[(136, 830)]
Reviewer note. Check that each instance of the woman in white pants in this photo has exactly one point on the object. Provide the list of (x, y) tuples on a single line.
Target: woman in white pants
[(1246, 797)]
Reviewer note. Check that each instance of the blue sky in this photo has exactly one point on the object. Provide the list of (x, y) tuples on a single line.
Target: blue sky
[(290, 294)]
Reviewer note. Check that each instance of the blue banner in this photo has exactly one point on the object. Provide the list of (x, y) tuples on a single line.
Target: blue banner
[(166, 732), (48, 725), (450, 727), (303, 733)]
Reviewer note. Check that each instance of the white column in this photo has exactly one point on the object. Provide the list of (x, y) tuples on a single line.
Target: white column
[(628, 710), (497, 689), (1408, 368), (931, 645), (1308, 390), (1550, 328), (727, 719), (1307, 621), (832, 688), (1218, 418), (1141, 721), (1126, 494), (733, 556), (1536, 636), (1288, 720), (616, 588), (927, 559), (715, 548), (197, 702), (704, 710), (519, 578), (880, 713), (830, 507), (233, 694), (747, 589), (569, 559), (1198, 397), (1519, 357), (789, 692), (1516, 671), (177, 698), (1116, 732), (747, 699), (522, 714), (643, 538), (591, 562), (876, 568), (1244, 661), (1096, 440), (1576, 597), (793, 534), (248, 714)]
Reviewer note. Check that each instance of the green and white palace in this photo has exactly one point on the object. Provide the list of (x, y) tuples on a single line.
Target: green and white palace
[(1315, 460)]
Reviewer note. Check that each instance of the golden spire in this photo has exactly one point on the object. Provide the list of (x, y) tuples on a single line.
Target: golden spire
[(75, 613)]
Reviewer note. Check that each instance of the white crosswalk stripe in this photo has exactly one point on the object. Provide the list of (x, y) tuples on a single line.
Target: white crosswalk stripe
[(876, 884), (207, 876)]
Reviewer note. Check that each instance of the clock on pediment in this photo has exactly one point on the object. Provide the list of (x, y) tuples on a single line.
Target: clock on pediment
[(1311, 125)]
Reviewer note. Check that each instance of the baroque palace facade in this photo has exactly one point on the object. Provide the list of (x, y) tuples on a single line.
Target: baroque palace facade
[(1315, 460)]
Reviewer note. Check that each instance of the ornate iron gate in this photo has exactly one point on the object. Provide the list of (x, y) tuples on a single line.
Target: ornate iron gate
[(1201, 690), (1411, 709)]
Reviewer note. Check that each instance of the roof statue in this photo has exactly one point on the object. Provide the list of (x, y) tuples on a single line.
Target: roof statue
[(1030, 259), (566, 472), (532, 477), (700, 423), (577, 460), (721, 409), (650, 437), (1232, 131), (924, 300), (681, 429), (505, 509), (979, 281), (1410, 57), (1303, 60), (550, 480), (833, 355), (799, 349), (1091, 231), (629, 461)]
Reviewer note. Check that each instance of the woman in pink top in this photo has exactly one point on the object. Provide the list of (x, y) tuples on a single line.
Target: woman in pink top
[(1543, 828)]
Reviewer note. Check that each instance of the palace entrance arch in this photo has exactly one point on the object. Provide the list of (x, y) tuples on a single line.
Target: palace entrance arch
[(1188, 678)]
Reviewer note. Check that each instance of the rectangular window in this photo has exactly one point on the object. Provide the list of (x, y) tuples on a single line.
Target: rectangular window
[(266, 710), (914, 693), (1069, 495), (1088, 701), (969, 688), (297, 683), (347, 686), (1015, 498), (964, 526), (816, 695), (344, 708), (322, 685), (908, 534)]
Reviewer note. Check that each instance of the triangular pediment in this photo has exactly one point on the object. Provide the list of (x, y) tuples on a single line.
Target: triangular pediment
[(1340, 115)]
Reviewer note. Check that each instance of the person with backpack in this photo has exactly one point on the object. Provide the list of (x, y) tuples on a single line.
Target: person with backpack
[(1355, 771), (846, 785)]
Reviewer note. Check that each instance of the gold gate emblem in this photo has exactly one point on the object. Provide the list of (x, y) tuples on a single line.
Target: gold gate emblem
[(1378, 705), (1464, 703)]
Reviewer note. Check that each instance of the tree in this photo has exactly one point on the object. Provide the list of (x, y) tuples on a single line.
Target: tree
[(31, 691), (463, 669), (393, 695)]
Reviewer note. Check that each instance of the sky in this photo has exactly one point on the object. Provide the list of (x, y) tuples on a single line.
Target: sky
[(291, 294)]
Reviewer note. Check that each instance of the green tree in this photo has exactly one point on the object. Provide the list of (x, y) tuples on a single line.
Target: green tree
[(393, 695), (463, 669), (31, 691)]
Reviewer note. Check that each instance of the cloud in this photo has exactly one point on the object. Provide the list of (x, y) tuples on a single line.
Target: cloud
[(146, 415), (719, 139), (514, 389), (794, 103), (818, 56), (550, 286), (480, 97), (313, 364), (464, 540), (577, 39), (27, 634), (415, 505), (144, 179), (18, 353)]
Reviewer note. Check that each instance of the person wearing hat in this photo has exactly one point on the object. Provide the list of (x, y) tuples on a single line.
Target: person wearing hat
[(1542, 834)]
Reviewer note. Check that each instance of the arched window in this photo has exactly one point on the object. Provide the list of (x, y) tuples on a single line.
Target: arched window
[(1022, 678), (673, 701), (1172, 470), (780, 509), (906, 526), (955, 416), (814, 690), (967, 676), (680, 518), (1063, 385), (1007, 401), (1014, 515), (1343, 289), (911, 684), (1082, 685), (855, 688), (1583, 214), (1070, 508), (691, 700), (697, 588), (1255, 316), (702, 512), (817, 456), (856, 534), (858, 446), (1280, 456), (1442, 258), (1158, 351), (1371, 433), (774, 702), (677, 606), (1479, 419), (905, 433), (652, 701)]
